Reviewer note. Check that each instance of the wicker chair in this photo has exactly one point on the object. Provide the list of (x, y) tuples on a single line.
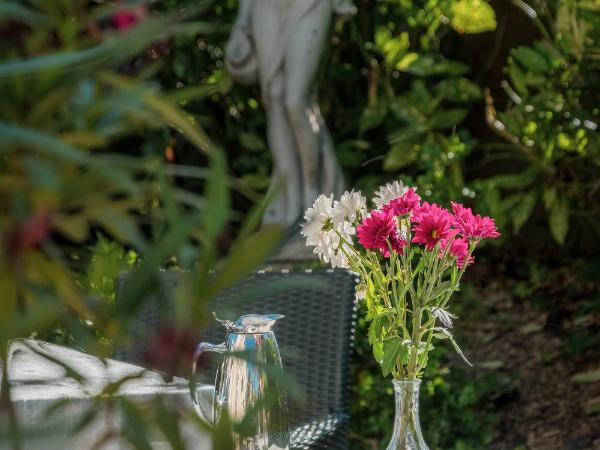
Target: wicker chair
[(315, 340)]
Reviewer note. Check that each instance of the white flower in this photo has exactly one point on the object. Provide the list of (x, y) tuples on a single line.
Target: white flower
[(389, 192), (321, 232), (337, 258), (443, 316), (360, 291), (319, 221), (350, 208)]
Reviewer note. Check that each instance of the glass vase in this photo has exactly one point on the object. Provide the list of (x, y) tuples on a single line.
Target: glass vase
[(407, 428)]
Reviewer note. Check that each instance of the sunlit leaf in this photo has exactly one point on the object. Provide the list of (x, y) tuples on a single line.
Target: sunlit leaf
[(430, 65), (473, 16)]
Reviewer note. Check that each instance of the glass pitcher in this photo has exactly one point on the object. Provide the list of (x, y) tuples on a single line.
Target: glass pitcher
[(248, 388)]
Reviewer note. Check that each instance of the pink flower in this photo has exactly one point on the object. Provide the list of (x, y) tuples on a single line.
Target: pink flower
[(403, 205), (434, 226), (473, 226), (459, 248), (379, 228), (428, 208)]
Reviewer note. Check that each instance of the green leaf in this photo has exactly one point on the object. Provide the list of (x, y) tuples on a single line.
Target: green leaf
[(121, 226), (14, 136), (448, 118), (523, 210), (458, 90), (377, 328), (133, 425), (256, 181), (378, 351), (400, 155), (407, 60), (185, 94), (514, 180), (559, 220), (407, 132), (392, 47), (13, 11), (518, 79), (246, 255), (439, 290), (392, 349), (430, 65), (169, 425), (253, 142), (170, 113), (217, 196), (531, 59), (74, 227), (472, 16), (549, 197), (373, 116)]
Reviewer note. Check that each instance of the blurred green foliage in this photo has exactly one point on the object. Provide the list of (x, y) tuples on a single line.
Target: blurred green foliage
[(100, 131), (76, 91)]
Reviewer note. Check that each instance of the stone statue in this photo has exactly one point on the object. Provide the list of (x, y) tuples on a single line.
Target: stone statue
[(279, 43)]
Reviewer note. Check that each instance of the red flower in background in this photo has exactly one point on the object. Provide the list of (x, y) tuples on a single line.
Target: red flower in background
[(377, 230), (127, 17), (171, 350), (30, 234)]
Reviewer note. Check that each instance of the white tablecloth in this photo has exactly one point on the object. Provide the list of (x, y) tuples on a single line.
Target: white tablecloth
[(37, 383)]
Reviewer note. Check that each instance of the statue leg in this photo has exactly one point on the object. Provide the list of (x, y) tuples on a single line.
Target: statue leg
[(331, 176), (286, 207), (305, 44)]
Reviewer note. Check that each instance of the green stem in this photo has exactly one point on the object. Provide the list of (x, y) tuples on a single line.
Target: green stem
[(416, 339), (458, 278)]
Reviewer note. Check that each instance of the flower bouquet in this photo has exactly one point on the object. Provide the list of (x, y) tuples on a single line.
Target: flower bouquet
[(410, 256)]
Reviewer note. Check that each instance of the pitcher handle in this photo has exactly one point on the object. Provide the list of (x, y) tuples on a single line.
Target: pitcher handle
[(209, 418)]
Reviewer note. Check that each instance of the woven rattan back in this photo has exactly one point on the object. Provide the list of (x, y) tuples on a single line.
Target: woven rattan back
[(315, 337)]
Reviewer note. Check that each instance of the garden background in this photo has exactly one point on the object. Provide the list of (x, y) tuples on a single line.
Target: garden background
[(495, 104)]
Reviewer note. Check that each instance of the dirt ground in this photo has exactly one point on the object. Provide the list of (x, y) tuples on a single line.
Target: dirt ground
[(546, 341)]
